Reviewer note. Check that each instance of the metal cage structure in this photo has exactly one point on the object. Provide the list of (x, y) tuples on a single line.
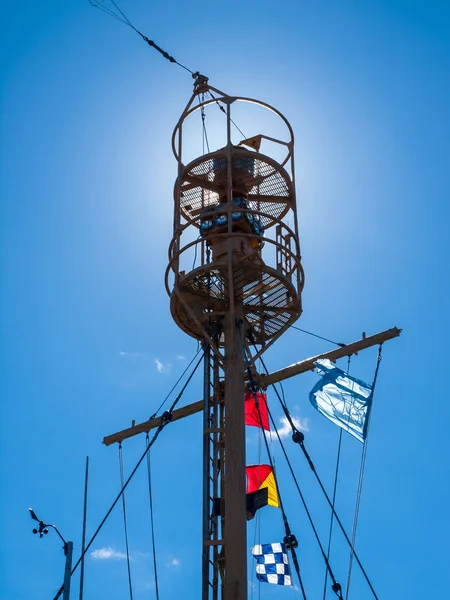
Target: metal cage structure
[(232, 209)]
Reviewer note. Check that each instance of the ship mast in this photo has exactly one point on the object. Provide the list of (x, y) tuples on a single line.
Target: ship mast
[(231, 211), (235, 280)]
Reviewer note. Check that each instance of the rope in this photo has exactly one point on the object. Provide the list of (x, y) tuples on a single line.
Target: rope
[(125, 526), (336, 473), (340, 344), (287, 528), (195, 253), (178, 381), (203, 115), (151, 517), (257, 535), (119, 495), (121, 16), (225, 112), (165, 419), (298, 438), (336, 585), (361, 475)]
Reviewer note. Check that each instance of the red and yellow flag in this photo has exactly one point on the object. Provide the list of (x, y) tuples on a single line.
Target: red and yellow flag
[(261, 476), (252, 416)]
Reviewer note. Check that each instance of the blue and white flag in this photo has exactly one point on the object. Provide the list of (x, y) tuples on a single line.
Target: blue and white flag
[(273, 564), (342, 399)]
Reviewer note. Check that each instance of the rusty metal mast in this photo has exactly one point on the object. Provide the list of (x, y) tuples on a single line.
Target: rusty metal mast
[(231, 209)]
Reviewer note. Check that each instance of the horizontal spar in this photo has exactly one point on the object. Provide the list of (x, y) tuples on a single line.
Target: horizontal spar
[(263, 380), (347, 350), (146, 426)]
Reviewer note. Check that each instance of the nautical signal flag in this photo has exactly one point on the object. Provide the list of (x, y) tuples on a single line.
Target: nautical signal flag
[(344, 400), (254, 417), (261, 476), (273, 564), (256, 500)]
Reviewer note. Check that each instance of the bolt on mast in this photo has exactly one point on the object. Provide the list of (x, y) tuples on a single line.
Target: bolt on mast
[(235, 280)]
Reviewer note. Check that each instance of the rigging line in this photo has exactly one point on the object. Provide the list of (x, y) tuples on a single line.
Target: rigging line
[(178, 381), (361, 475), (150, 495), (125, 526), (83, 535), (340, 344), (125, 18), (195, 252), (175, 402), (120, 17), (287, 528), (203, 115), (283, 403), (256, 539), (165, 419), (338, 459), (203, 122), (225, 112), (298, 437), (327, 564), (313, 469), (111, 508), (126, 21)]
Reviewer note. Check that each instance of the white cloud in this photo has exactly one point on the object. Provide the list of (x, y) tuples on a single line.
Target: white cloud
[(159, 366), (129, 355), (286, 430), (107, 553), (174, 562), (180, 357)]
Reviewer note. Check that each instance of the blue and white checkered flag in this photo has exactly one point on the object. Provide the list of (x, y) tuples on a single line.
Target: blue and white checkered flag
[(273, 564)]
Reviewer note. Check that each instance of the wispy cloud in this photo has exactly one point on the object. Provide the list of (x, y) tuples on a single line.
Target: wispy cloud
[(173, 563), (161, 367), (129, 355), (107, 553), (286, 430), (180, 357)]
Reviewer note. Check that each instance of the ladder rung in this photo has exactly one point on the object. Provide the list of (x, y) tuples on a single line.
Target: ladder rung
[(212, 542)]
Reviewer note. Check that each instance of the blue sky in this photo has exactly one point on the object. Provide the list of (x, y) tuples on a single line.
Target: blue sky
[(86, 183)]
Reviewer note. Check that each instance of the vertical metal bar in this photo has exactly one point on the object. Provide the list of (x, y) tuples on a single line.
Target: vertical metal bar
[(176, 212), (83, 540), (206, 471), (294, 208), (229, 211), (235, 537), (216, 475), (68, 551), (221, 453)]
